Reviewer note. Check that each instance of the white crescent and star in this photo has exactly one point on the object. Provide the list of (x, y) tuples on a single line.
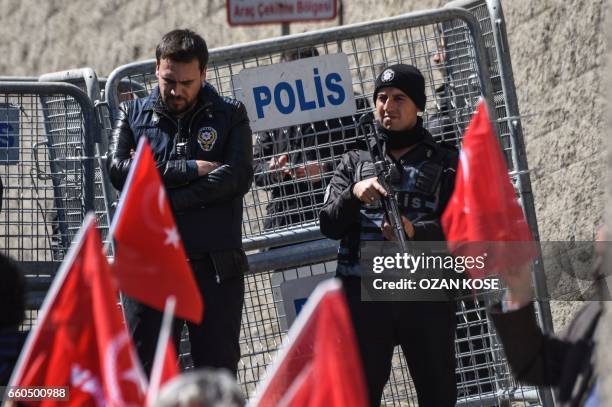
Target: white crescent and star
[(172, 237), (111, 356)]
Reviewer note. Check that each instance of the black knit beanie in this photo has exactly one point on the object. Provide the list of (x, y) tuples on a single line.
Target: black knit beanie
[(406, 78)]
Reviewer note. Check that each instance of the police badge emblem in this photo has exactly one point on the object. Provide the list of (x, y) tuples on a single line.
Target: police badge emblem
[(388, 75), (207, 137)]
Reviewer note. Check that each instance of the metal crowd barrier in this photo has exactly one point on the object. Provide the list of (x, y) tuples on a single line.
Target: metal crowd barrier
[(280, 214), (491, 18), (369, 47), (292, 256), (493, 27), (47, 135), (104, 193)]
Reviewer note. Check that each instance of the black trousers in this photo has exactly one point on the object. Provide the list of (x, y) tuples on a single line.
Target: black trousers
[(424, 330), (214, 342)]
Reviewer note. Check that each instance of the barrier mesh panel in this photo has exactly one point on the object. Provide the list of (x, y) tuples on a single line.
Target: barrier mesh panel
[(444, 50)]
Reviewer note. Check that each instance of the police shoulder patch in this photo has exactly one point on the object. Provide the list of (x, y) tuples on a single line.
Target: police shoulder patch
[(232, 101), (207, 137)]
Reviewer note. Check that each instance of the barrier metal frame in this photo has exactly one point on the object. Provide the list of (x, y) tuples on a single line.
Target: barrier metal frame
[(40, 273), (87, 110), (87, 80), (262, 48), (520, 173), (296, 256)]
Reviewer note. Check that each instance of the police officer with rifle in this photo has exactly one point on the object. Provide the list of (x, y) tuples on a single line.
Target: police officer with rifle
[(395, 188)]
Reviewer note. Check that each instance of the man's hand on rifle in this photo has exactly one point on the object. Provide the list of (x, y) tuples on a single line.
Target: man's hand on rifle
[(369, 190), (389, 233)]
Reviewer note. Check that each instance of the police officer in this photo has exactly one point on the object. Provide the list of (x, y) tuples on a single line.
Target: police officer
[(202, 144), (425, 330)]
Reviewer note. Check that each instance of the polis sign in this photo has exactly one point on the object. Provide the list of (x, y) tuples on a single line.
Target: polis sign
[(303, 91)]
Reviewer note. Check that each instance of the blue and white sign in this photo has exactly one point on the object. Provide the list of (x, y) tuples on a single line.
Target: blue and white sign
[(9, 133), (292, 93)]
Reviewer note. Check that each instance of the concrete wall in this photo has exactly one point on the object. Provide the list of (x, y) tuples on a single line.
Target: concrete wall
[(604, 335), (45, 36), (557, 48)]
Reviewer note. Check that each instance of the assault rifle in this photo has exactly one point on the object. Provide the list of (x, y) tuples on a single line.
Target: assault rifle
[(383, 172)]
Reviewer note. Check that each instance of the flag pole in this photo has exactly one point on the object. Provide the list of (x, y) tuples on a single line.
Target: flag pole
[(165, 333), (124, 191), (117, 214)]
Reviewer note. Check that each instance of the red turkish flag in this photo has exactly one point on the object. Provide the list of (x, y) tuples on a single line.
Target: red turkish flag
[(171, 369), (150, 262), (320, 363), (483, 214), (80, 340)]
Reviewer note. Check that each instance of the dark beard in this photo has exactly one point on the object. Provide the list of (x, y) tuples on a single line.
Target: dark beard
[(181, 111)]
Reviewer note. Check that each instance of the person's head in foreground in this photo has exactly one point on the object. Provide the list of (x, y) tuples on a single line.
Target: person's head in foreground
[(201, 388)]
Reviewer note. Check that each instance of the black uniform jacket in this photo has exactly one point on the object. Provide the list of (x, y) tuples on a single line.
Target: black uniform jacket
[(564, 362), (208, 209), (427, 184)]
